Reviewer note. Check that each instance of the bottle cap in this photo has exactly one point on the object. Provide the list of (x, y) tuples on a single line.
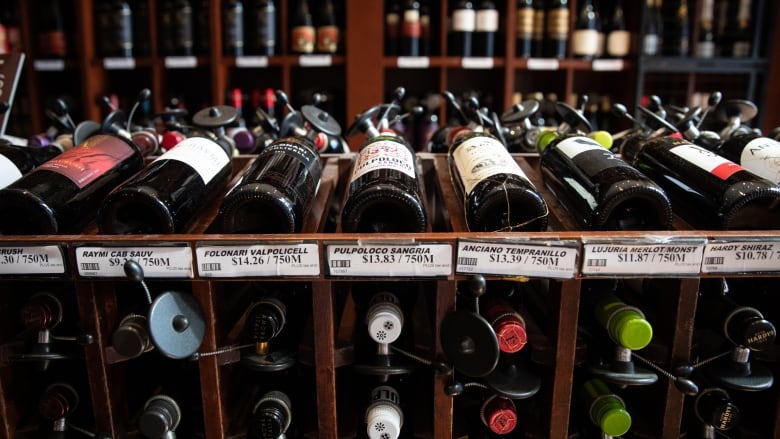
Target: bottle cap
[(511, 334), (544, 139), (171, 139), (615, 422), (243, 139), (603, 138), (630, 329), (499, 415), (384, 321), (383, 422)]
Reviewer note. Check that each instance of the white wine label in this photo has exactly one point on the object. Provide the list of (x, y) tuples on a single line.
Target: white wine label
[(180, 62), (573, 146), (543, 64), (707, 160), (481, 157), (173, 261), (471, 62), (251, 61), (413, 62), (650, 44), (389, 260), (205, 156), (487, 20), (384, 154), (618, 43), (742, 257), (119, 63), (9, 173), (42, 260), (585, 42), (669, 258), (293, 259), (464, 20), (705, 49), (761, 156), (556, 260)]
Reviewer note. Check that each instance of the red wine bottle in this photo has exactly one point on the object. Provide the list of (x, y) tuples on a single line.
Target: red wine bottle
[(524, 28), (707, 190), (497, 195), (165, 196), (233, 28), (327, 28), (601, 191), (759, 155), (411, 29), (182, 23), (585, 38), (275, 193), (303, 31), (115, 29), (556, 28), (62, 193), (16, 161)]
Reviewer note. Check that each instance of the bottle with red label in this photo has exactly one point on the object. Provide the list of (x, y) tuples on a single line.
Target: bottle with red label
[(758, 154), (327, 28), (707, 190), (411, 29), (52, 38), (303, 30)]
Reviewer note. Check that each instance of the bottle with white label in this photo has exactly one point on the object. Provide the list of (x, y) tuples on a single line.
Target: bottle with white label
[(497, 195), (585, 38), (601, 191), (166, 195), (16, 161), (463, 23), (486, 29), (757, 154), (707, 190), (618, 36)]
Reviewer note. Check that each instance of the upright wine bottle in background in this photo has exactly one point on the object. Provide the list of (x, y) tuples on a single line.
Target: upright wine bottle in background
[(165, 31), (497, 195), (524, 28), (261, 29), (233, 28), (61, 194), (202, 38), (539, 33), (677, 33), (758, 154), (115, 29), (165, 196), (557, 28), (411, 29), (486, 29), (652, 29), (275, 193), (618, 37), (13, 33), (601, 191), (182, 24), (303, 31), (585, 41), (464, 21), (705, 46), (327, 28), (392, 27), (425, 29), (141, 45), (707, 190), (16, 161), (52, 40), (739, 31)]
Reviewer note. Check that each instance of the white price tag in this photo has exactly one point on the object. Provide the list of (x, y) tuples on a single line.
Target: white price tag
[(531, 260), (119, 63), (49, 65), (413, 62), (543, 64), (252, 61), (386, 260), (668, 258), (476, 63), (299, 259), (172, 261), (180, 62), (607, 65), (741, 257), (315, 60), (44, 259)]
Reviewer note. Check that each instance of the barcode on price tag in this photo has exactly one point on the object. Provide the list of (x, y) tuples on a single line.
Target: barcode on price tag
[(383, 260), (643, 258), (248, 260), (38, 260), (741, 257), (156, 261), (558, 260)]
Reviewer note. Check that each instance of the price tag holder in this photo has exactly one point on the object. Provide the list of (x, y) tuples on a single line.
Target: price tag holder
[(49, 65), (476, 63), (531, 259), (181, 62), (542, 64), (741, 256), (389, 260), (315, 60), (643, 257), (119, 63), (252, 61), (170, 261), (607, 65), (413, 62), (285, 259), (32, 259)]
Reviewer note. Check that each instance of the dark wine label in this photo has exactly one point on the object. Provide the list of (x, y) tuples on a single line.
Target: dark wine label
[(707, 160), (328, 39), (9, 172), (265, 27), (234, 28), (589, 155), (303, 39), (84, 164), (182, 28)]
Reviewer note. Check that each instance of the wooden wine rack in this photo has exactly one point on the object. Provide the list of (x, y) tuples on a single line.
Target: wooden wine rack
[(327, 346)]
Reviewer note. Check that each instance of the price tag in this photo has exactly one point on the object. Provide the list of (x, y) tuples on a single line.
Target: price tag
[(49, 65), (672, 257), (180, 62), (315, 60), (171, 261), (44, 259), (119, 63), (476, 63), (527, 259), (413, 62), (741, 257), (543, 64), (298, 259), (252, 61), (607, 65), (386, 260)]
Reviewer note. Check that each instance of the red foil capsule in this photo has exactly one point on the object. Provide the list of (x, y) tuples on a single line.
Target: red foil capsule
[(499, 415), (508, 324)]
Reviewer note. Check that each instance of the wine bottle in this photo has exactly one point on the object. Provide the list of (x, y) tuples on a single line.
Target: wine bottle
[(115, 29), (508, 324), (677, 33), (166, 195), (303, 31), (411, 29), (524, 28), (499, 414), (165, 29), (497, 195), (601, 191), (181, 28), (160, 417), (557, 28), (652, 29), (271, 416), (707, 190), (16, 161), (274, 194), (328, 37), (758, 154), (12, 28), (62, 193), (739, 31), (625, 324), (486, 29), (425, 29), (202, 36), (464, 21), (539, 32), (233, 28), (384, 418), (392, 27), (261, 28), (716, 410), (140, 10), (705, 46), (618, 38), (585, 41), (605, 409), (52, 40)]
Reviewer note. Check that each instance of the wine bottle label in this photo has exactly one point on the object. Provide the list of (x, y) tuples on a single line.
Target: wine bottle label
[(234, 28), (384, 154), (52, 43), (558, 23), (705, 49), (762, 156), (412, 27), (487, 20), (265, 27), (328, 39), (740, 49), (525, 22), (182, 28), (84, 164), (481, 157), (204, 156), (588, 155), (9, 173), (650, 44), (538, 32), (303, 39), (585, 42), (707, 160), (464, 20), (392, 21), (618, 43)]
